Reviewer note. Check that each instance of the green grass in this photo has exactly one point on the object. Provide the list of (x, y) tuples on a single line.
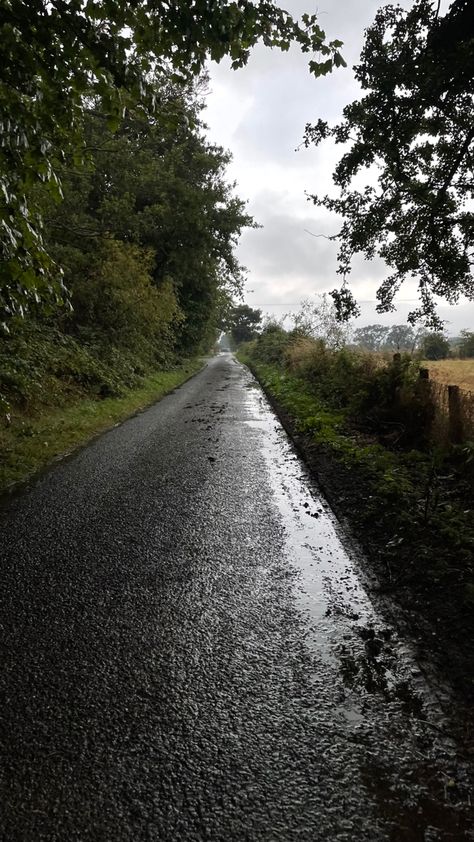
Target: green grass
[(34, 439), (410, 510), (407, 492), (328, 426)]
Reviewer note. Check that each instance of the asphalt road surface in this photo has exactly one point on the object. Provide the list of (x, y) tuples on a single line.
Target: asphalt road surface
[(188, 652)]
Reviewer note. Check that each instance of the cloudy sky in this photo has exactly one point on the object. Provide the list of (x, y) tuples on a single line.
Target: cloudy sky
[(259, 113)]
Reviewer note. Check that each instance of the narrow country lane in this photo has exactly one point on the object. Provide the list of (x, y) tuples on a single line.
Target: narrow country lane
[(188, 652)]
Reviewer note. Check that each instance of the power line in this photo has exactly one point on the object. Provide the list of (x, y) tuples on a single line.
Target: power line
[(359, 301)]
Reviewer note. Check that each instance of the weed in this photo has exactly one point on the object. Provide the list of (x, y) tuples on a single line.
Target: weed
[(411, 508)]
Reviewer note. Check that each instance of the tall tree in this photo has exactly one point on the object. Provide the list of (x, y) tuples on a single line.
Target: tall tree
[(244, 323), (435, 346), (412, 134), (466, 345), (55, 53), (159, 185)]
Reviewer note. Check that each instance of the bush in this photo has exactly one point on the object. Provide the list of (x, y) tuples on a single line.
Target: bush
[(270, 346), (396, 406), (380, 397), (40, 365), (117, 298)]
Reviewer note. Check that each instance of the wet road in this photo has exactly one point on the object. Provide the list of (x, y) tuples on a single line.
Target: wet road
[(188, 652)]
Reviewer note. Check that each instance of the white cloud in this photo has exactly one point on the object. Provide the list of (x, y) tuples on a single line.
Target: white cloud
[(259, 113)]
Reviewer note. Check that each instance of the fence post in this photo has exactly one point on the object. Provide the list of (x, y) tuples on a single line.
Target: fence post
[(427, 405), (455, 415)]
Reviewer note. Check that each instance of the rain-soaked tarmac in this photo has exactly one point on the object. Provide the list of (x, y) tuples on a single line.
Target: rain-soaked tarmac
[(189, 651)]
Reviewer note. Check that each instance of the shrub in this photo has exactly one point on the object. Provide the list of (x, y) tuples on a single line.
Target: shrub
[(117, 298), (381, 397), (270, 346), (395, 405), (340, 377)]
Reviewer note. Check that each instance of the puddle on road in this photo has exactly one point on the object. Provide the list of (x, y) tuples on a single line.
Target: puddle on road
[(376, 686), (329, 589)]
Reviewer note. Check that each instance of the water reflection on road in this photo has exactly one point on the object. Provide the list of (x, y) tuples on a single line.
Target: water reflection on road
[(190, 654), (366, 676)]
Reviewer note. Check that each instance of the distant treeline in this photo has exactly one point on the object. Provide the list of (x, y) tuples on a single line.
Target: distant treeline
[(317, 319), (432, 345)]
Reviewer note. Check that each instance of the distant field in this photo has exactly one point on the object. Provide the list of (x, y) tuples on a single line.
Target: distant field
[(458, 372)]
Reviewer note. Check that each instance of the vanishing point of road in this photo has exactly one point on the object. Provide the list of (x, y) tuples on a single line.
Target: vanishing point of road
[(189, 652)]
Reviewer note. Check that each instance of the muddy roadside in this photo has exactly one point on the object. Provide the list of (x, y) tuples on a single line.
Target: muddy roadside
[(418, 604)]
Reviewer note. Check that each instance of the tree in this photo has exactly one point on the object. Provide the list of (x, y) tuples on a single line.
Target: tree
[(412, 135), (159, 185), (400, 338), (466, 345), (55, 54), (371, 337), (318, 319), (435, 346), (244, 323), (115, 298)]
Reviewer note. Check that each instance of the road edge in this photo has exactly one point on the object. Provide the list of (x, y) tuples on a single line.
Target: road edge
[(10, 491)]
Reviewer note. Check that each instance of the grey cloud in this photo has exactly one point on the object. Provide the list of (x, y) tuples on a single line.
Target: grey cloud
[(282, 256), (283, 250), (260, 113)]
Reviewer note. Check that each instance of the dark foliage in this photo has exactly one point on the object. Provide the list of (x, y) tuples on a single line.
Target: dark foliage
[(413, 129)]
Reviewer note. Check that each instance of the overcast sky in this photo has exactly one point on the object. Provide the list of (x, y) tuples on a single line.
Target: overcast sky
[(259, 113)]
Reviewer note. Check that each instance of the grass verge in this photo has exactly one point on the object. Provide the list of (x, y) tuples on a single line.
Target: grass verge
[(32, 440), (410, 511)]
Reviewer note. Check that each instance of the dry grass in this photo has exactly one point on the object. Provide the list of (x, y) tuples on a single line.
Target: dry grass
[(458, 372), (302, 351), (444, 373), (306, 354)]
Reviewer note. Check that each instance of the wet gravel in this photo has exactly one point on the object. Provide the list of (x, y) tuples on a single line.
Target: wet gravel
[(188, 652)]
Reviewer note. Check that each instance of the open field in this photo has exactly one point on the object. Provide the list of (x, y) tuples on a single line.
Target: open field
[(458, 372)]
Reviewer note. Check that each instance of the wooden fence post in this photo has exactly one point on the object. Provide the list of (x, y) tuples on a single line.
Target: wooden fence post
[(424, 392), (455, 415)]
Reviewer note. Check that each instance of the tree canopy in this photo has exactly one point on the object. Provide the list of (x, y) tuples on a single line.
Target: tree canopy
[(145, 234), (412, 136), (435, 346), (244, 323), (317, 318), (466, 344), (54, 55), (150, 222)]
